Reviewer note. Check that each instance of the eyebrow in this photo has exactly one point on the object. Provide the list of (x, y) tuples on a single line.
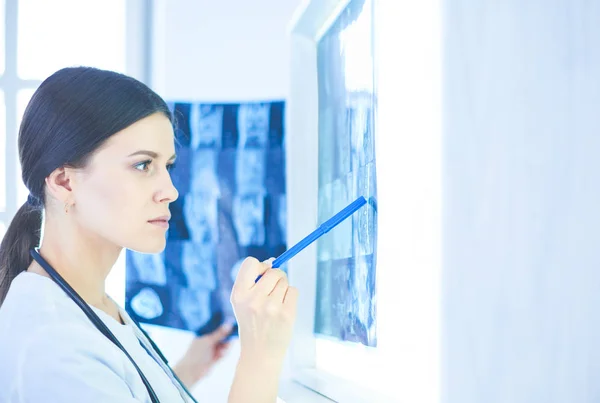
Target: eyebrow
[(151, 154)]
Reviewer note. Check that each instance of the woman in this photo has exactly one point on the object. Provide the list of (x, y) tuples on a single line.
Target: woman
[(95, 149)]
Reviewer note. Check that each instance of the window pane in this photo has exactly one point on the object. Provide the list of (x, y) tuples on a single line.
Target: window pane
[(23, 97), (2, 230), (2, 31), (2, 152), (60, 33)]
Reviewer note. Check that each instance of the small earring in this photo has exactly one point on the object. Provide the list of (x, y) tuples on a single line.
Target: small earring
[(66, 207)]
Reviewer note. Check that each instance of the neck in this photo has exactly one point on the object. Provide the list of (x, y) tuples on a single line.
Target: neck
[(84, 260)]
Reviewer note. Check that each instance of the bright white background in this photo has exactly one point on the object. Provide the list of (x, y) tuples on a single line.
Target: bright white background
[(521, 174)]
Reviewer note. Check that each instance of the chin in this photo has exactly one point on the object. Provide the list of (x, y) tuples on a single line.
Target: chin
[(151, 246)]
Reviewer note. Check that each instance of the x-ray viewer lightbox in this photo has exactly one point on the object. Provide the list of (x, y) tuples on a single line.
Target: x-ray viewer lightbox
[(346, 258)]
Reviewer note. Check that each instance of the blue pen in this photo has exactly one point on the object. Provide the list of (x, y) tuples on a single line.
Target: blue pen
[(316, 234)]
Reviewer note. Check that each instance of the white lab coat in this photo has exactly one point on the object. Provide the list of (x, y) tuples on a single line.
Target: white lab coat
[(51, 352)]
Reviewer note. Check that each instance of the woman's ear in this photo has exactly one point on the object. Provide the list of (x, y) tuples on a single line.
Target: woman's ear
[(59, 184)]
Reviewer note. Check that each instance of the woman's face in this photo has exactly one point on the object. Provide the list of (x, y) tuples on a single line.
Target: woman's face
[(125, 191)]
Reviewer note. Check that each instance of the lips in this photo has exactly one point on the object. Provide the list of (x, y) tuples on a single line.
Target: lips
[(162, 222)]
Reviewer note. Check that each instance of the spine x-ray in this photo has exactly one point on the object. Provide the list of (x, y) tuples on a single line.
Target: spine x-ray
[(230, 177)]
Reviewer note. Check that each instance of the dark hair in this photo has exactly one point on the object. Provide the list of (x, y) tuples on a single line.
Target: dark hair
[(69, 116)]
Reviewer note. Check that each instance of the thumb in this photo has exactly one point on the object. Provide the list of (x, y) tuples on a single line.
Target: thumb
[(222, 331)]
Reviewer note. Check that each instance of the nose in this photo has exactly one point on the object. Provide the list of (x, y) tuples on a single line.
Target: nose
[(168, 192)]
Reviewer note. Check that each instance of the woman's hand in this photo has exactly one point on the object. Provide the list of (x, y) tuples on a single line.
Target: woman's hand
[(265, 312), (201, 355)]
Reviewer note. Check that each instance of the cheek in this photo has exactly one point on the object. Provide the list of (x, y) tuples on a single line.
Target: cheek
[(106, 202), (117, 210)]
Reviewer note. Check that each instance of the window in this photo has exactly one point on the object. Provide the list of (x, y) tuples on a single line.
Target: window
[(49, 36), (23, 97), (60, 33), (2, 152), (2, 39), (37, 38)]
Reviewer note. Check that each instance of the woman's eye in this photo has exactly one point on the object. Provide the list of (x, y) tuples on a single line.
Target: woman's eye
[(143, 166), (170, 167)]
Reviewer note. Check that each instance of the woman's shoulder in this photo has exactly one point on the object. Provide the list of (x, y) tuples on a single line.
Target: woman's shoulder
[(62, 360), (36, 310), (32, 300), (44, 336)]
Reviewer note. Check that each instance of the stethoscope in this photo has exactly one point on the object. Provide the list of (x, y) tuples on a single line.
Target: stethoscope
[(100, 325)]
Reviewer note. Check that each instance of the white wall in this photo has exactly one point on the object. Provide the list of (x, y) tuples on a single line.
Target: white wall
[(231, 50), (226, 50), (522, 195)]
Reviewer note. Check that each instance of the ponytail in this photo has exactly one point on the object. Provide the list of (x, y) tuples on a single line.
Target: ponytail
[(70, 115), (22, 234)]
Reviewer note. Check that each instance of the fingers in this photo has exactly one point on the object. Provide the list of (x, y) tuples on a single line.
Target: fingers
[(278, 293), (222, 332), (268, 262), (271, 291), (250, 269), (269, 280), (223, 347), (221, 350), (291, 300)]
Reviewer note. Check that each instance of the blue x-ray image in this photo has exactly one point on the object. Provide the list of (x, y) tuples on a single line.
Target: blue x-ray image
[(360, 120), (200, 204), (204, 178), (281, 209), (325, 211), (147, 304), (232, 204), (206, 126), (248, 214), (253, 125), (346, 294), (364, 221), (194, 306), (341, 194), (148, 268), (250, 169), (200, 213), (197, 261)]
